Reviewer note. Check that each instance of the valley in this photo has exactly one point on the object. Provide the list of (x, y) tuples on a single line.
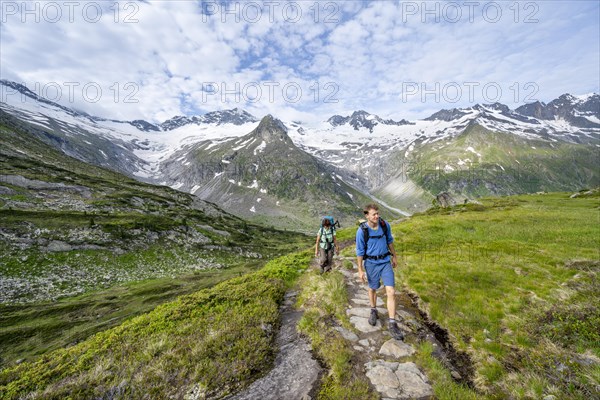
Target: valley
[(117, 237)]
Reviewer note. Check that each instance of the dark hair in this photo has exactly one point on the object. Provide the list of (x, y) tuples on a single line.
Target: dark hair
[(326, 222), (369, 207)]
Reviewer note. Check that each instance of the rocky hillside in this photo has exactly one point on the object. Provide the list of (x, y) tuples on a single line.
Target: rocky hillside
[(481, 162), (264, 177), (68, 226)]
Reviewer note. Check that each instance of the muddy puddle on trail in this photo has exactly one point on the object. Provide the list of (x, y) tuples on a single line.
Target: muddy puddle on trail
[(458, 363)]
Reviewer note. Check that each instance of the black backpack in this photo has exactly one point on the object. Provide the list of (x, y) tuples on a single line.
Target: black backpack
[(365, 230)]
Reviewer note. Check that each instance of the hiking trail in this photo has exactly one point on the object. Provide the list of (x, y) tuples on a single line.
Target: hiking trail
[(295, 374), (384, 361)]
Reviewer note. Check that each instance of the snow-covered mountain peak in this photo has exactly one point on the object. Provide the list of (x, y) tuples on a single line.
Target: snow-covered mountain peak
[(447, 115), (585, 97), (363, 119), (577, 111), (235, 116)]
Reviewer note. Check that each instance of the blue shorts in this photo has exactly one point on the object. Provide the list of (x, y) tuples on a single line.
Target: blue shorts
[(377, 272)]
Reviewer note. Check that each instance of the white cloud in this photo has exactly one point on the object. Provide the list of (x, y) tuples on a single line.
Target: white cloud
[(367, 52)]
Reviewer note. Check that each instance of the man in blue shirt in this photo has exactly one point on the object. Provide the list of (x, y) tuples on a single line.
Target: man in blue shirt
[(373, 257)]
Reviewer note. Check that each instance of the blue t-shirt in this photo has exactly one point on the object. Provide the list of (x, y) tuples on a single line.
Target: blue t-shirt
[(377, 244)]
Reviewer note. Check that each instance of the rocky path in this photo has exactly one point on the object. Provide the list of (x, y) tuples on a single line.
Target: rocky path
[(385, 359), (296, 373)]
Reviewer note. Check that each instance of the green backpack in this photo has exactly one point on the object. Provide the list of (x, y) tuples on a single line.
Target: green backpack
[(333, 223)]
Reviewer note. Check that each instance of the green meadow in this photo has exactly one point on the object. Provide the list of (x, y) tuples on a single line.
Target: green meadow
[(208, 343), (512, 280)]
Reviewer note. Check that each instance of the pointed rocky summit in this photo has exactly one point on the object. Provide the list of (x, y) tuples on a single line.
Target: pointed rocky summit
[(271, 129)]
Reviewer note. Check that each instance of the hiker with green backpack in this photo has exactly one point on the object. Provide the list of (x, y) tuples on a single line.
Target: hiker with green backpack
[(326, 243), (374, 246)]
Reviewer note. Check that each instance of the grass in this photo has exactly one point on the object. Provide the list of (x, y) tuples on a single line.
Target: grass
[(210, 343), (30, 330), (512, 280), (444, 387), (324, 300)]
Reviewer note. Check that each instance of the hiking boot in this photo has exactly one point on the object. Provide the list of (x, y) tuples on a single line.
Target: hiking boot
[(373, 318), (395, 331)]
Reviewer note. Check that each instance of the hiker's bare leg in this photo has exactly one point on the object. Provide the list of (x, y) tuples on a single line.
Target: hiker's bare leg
[(391, 301), (373, 297)]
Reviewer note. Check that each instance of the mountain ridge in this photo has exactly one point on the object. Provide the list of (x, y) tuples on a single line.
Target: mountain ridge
[(363, 119), (212, 157), (563, 107)]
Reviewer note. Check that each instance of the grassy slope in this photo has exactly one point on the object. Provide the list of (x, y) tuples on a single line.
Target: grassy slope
[(141, 248), (30, 330), (513, 280), (509, 164), (212, 342)]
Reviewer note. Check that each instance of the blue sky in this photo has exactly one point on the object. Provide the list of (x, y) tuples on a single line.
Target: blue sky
[(301, 60)]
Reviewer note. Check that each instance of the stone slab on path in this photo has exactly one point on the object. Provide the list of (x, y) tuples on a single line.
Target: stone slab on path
[(413, 383), (365, 301), (346, 334), (396, 349), (398, 380), (365, 312), (384, 379), (362, 324)]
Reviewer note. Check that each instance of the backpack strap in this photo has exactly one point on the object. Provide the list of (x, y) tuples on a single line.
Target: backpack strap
[(325, 237), (384, 225), (365, 229)]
